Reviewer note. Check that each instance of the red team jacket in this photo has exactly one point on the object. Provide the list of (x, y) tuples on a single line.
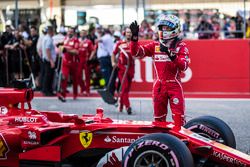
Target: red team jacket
[(85, 49), (122, 59), (72, 43), (165, 69)]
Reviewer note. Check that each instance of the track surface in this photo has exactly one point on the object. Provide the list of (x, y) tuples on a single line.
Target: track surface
[(235, 112)]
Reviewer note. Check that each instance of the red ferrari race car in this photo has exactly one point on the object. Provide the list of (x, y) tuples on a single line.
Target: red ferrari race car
[(52, 138)]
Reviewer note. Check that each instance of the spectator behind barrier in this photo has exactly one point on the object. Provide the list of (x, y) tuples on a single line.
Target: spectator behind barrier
[(204, 29), (239, 25), (49, 58)]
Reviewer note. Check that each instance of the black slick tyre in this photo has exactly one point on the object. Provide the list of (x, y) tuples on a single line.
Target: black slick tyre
[(212, 128), (158, 149)]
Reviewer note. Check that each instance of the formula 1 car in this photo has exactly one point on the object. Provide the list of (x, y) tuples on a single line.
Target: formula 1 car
[(44, 138)]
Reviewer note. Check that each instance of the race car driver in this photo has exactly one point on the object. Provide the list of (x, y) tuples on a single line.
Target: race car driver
[(86, 52), (170, 56), (70, 63), (125, 61)]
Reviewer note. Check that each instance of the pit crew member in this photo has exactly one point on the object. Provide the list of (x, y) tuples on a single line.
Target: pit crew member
[(86, 52), (70, 63), (125, 60)]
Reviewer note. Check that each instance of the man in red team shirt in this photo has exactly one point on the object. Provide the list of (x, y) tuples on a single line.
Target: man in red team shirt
[(86, 52), (145, 32), (125, 61), (70, 63), (170, 57)]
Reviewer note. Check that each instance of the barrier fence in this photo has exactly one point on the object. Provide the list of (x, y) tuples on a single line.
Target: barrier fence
[(217, 66)]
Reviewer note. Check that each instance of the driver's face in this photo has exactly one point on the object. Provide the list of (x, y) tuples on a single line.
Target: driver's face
[(166, 28)]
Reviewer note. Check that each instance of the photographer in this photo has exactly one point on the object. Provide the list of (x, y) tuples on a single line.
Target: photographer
[(32, 53), (15, 47), (2, 65)]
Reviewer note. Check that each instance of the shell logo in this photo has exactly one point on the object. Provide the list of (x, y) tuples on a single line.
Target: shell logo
[(4, 149), (86, 138), (157, 48)]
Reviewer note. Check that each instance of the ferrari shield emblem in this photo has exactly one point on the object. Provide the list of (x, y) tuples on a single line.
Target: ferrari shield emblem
[(4, 149), (86, 138)]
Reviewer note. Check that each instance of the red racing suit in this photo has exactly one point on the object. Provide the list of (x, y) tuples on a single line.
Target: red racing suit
[(125, 61), (85, 49), (167, 83), (70, 65)]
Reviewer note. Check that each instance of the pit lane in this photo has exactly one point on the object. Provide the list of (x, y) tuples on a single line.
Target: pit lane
[(235, 112)]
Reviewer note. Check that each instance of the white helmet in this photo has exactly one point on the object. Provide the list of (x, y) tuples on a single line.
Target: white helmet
[(168, 27)]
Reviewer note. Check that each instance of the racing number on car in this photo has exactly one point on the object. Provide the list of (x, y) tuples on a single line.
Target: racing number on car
[(86, 138), (4, 149)]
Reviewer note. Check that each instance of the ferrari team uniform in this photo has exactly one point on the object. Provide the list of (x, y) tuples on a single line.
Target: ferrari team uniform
[(85, 49), (124, 62), (146, 33), (70, 65), (167, 83)]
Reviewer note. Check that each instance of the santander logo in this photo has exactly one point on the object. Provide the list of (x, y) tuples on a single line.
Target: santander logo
[(116, 139), (107, 139)]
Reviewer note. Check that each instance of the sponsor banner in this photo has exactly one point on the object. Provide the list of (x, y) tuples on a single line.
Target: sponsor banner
[(216, 66)]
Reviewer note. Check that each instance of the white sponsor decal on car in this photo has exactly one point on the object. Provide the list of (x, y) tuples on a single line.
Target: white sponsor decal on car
[(199, 137), (112, 157), (31, 142), (32, 135), (115, 139), (224, 157), (26, 119), (209, 131), (3, 110)]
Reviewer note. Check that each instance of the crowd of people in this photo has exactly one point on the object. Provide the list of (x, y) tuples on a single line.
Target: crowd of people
[(209, 25), (214, 28), (70, 56), (55, 58)]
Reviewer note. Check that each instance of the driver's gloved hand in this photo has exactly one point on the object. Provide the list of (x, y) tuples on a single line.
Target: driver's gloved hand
[(170, 54), (134, 27)]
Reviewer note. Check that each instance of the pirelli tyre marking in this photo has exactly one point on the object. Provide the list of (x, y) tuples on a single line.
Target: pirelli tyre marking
[(158, 149), (4, 149), (86, 139)]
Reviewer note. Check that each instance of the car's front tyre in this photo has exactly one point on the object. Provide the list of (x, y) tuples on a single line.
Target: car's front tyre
[(158, 150)]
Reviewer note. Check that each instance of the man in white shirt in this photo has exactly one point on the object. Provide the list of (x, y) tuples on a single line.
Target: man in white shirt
[(49, 58), (104, 52)]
